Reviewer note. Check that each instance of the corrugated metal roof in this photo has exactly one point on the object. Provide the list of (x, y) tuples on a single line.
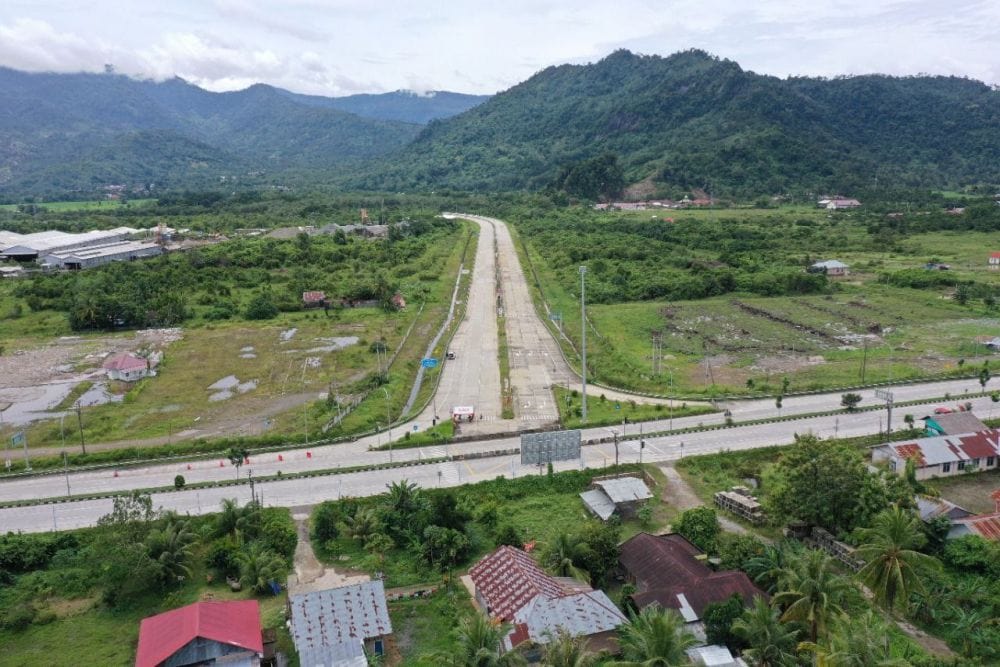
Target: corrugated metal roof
[(957, 423), (344, 654), (40, 242), (233, 622), (949, 448), (508, 579), (598, 502), (711, 656), (984, 525), (931, 508), (339, 615), (581, 614), (625, 489)]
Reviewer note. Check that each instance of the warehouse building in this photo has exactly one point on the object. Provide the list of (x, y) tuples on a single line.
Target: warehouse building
[(31, 247), (90, 256)]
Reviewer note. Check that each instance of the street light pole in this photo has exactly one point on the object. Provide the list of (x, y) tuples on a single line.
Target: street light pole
[(583, 339), (79, 421)]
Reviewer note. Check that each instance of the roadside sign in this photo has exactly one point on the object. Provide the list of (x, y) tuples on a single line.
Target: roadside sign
[(416, 427), (18, 439), (428, 362)]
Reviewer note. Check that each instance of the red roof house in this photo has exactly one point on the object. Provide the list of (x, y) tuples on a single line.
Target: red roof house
[(995, 259), (200, 633), (508, 579), (986, 526), (943, 455), (313, 298), (666, 570), (126, 367)]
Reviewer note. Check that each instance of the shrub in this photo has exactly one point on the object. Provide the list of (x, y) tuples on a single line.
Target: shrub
[(700, 526), (179, 482)]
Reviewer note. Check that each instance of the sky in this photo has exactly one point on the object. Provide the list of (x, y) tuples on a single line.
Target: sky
[(342, 47)]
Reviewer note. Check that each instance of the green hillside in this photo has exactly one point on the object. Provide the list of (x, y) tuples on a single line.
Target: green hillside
[(694, 121)]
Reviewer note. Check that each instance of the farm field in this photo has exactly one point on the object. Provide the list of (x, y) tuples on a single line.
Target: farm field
[(99, 205), (751, 323)]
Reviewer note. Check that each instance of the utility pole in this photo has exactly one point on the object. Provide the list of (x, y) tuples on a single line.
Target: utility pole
[(583, 339), (79, 421), (66, 471), (886, 395), (615, 433), (388, 420)]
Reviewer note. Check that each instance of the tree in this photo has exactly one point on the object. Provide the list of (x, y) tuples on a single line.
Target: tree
[(962, 294), (850, 401), (908, 419), (260, 307), (767, 568), (125, 567), (259, 567), (564, 556), (171, 548), (479, 643), (510, 535), (600, 558), (378, 544), (404, 508), (777, 403), (179, 481), (984, 376), (811, 592), (736, 551), (770, 643), (237, 456), (654, 638), (893, 567), (565, 650), (700, 526), (863, 641), (363, 524), (719, 618), (443, 548)]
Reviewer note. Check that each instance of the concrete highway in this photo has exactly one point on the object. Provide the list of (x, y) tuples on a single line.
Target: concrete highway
[(472, 378)]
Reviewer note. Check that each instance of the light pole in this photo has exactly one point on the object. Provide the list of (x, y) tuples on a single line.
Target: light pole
[(79, 421), (66, 470), (583, 339), (388, 420), (670, 399)]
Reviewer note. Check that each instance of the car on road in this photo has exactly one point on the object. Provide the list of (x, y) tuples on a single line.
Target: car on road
[(449, 355)]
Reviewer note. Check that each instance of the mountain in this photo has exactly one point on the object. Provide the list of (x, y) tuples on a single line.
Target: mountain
[(79, 132), (693, 121), (402, 105)]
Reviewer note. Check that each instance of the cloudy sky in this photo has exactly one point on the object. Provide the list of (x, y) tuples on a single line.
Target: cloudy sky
[(340, 47)]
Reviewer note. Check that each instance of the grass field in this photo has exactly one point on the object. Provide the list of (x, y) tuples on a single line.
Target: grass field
[(89, 205), (971, 491), (422, 627), (607, 412)]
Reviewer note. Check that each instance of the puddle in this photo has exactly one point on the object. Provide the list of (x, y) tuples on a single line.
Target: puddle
[(333, 344), (23, 405), (248, 348), (99, 395), (227, 382), (220, 396), (288, 335), (248, 355), (244, 387)]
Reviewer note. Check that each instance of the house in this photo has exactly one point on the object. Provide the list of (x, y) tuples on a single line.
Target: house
[(510, 587), (994, 260), (314, 299), (830, 267), (713, 656), (203, 633), (337, 626), (839, 204), (670, 571), (931, 508), (943, 455), (622, 495), (986, 526), (127, 367), (953, 423)]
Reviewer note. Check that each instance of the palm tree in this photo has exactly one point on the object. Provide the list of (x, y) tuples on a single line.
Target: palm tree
[(259, 567), (171, 549), (563, 554), (363, 524), (893, 567), (766, 568), (566, 650), (811, 592), (479, 644), (863, 641), (964, 622), (771, 643), (404, 497), (654, 638)]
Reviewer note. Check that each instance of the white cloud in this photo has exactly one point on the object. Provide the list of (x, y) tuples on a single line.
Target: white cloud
[(336, 47)]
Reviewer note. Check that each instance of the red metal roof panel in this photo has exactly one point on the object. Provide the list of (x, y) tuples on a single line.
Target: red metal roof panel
[(236, 623)]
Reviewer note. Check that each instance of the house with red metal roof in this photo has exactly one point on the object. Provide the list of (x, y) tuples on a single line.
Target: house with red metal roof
[(986, 526), (669, 571), (203, 633), (944, 455), (126, 367), (511, 587), (994, 260)]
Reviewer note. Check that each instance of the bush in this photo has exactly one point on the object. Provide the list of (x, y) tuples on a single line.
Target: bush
[(700, 526), (179, 482), (324, 522), (509, 535), (972, 552), (260, 308), (17, 617), (279, 535)]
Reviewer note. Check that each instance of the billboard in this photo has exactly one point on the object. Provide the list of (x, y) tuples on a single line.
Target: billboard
[(549, 446)]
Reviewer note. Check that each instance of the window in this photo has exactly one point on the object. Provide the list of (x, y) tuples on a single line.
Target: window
[(946, 467), (990, 460), (961, 465)]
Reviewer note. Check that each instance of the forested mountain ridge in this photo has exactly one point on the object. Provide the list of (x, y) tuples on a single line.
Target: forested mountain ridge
[(402, 105), (694, 121), (66, 132)]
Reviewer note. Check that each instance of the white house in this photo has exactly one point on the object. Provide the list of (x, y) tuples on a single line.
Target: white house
[(942, 456), (830, 267), (126, 367)]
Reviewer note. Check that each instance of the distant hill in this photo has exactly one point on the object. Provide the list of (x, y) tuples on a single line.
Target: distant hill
[(402, 105), (693, 121), (78, 132)]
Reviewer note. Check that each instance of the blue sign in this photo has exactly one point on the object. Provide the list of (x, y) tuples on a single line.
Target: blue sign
[(428, 362), (18, 439)]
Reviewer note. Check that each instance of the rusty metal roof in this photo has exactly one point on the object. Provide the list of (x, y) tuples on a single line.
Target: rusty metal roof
[(508, 579), (984, 525)]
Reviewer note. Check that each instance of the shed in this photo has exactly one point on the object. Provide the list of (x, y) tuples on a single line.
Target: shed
[(202, 633), (620, 494), (831, 267)]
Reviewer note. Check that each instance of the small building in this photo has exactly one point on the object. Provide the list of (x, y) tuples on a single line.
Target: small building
[(203, 633), (831, 267), (338, 627), (994, 260), (942, 456), (669, 571), (314, 299), (126, 367), (713, 656), (618, 495), (931, 508), (953, 423), (839, 204), (510, 587), (461, 413), (96, 255), (986, 526)]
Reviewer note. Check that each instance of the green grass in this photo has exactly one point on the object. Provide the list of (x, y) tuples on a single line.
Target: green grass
[(99, 205), (422, 627), (610, 412), (435, 435), (970, 490)]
